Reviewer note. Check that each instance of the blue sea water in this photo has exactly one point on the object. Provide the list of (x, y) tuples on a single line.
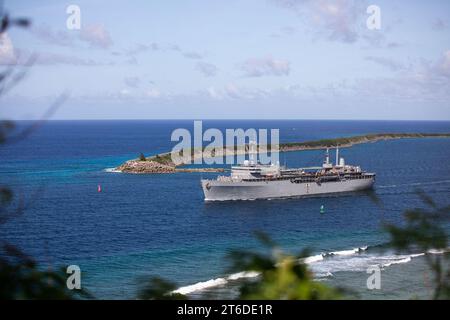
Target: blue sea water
[(158, 225)]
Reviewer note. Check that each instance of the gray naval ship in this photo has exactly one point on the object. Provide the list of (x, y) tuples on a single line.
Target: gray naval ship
[(252, 180)]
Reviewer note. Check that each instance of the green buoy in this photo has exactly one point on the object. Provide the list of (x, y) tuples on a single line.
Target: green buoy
[(322, 209)]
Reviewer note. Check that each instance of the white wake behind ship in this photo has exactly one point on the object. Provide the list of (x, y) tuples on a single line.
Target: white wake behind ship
[(252, 180)]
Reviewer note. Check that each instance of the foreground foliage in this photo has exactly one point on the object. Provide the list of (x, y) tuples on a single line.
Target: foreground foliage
[(425, 230)]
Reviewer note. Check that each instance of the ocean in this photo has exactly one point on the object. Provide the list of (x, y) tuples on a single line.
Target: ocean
[(141, 226)]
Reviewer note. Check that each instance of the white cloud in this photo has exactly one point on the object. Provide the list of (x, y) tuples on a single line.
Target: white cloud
[(153, 93), (439, 24), (7, 52), (192, 55), (46, 58), (124, 94), (141, 48), (208, 69), (136, 95), (443, 65), (427, 81), (338, 17), (96, 36), (214, 93), (235, 92), (265, 67), (132, 82), (55, 37), (337, 20), (386, 62), (16, 56)]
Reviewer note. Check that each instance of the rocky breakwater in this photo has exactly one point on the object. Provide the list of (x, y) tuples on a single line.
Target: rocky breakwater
[(149, 166)]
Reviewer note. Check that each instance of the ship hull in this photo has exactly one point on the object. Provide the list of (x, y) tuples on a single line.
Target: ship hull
[(215, 190)]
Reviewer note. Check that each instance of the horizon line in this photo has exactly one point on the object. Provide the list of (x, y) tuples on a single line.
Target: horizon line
[(227, 119)]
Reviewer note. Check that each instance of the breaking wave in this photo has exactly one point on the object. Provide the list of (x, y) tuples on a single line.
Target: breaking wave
[(312, 259), (112, 170), (320, 257), (323, 266), (215, 282)]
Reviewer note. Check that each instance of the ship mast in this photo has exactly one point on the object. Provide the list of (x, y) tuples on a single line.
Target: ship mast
[(252, 152), (337, 155)]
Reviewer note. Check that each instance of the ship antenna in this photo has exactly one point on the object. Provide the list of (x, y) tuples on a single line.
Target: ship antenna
[(252, 150), (337, 155), (327, 157)]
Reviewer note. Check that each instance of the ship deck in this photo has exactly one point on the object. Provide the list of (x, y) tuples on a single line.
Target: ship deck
[(304, 178)]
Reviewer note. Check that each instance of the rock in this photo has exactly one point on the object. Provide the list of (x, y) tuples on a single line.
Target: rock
[(137, 166), (145, 167)]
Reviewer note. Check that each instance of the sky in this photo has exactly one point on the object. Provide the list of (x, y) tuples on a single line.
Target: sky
[(234, 59)]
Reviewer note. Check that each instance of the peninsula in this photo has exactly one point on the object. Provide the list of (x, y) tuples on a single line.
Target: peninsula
[(162, 163)]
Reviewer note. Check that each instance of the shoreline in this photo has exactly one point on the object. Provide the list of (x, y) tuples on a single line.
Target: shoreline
[(153, 167), (387, 262), (162, 162)]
